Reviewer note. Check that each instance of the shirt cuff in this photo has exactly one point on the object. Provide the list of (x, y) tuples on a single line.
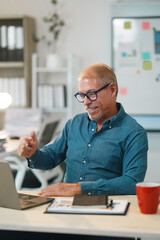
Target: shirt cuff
[(33, 159), (89, 188)]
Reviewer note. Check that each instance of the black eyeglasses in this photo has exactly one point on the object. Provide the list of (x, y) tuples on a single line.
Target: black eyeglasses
[(91, 95)]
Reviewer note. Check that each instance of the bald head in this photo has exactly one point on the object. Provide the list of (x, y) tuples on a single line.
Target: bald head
[(101, 71)]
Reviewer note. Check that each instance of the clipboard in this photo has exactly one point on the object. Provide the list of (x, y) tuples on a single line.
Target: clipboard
[(64, 206)]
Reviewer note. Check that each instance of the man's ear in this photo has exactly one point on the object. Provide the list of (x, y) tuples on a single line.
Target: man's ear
[(113, 89)]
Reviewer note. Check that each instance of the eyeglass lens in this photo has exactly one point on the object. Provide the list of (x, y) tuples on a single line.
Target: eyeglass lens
[(91, 96)]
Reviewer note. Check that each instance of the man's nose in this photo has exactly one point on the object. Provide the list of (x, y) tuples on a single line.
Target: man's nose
[(86, 100)]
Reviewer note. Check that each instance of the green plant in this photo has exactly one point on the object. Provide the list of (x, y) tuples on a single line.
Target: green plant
[(55, 24)]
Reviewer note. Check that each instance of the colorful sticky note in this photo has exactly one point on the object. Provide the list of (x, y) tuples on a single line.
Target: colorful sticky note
[(157, 42), (138, 71), (146, 25), (146, 56), (147, 65), (127, 25), (157, 37), (123, 91)]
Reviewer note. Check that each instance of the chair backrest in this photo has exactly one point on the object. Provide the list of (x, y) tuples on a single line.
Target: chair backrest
[(47, 130)]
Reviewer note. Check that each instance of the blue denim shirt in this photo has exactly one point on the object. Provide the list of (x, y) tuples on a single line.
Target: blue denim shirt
[(110, 161)]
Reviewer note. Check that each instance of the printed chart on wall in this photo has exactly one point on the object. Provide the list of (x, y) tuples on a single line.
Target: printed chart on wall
[(136, 62)]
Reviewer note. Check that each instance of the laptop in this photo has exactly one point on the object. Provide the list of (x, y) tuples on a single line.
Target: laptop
[(10, 198)]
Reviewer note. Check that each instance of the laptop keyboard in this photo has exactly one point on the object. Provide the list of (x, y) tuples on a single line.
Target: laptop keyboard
[(25, 196), (27, 200)]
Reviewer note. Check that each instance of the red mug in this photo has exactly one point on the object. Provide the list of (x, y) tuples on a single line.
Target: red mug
[(148, 195)]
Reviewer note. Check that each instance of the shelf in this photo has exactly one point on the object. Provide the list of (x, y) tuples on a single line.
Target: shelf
[(56, 91), (15, 66), (11, 64)]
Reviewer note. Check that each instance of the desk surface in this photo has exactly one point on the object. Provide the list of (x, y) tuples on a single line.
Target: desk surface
[(134, 224)]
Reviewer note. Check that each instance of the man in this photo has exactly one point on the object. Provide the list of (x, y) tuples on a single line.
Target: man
[(105, 149)]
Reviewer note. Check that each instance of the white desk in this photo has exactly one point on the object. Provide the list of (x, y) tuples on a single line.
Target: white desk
[(134, 224)]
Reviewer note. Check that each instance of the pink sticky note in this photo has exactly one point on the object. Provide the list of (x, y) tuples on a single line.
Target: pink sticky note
[(123, 91), (145, 25)]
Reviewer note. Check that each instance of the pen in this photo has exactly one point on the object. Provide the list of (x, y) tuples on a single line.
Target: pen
[(110, 204)]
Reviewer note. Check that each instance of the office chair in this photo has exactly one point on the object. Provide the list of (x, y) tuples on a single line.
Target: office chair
[(46, 134)]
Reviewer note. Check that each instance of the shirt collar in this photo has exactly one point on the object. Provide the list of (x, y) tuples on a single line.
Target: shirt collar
[(121, 113)]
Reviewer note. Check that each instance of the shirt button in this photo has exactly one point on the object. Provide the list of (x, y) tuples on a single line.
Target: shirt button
[(110, 126), (84, 161), (92, 129), (89, 193), (80, 178), (89, 145)]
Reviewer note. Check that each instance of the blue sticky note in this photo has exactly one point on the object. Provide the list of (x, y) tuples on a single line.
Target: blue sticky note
[(157, 37), (146, 56)]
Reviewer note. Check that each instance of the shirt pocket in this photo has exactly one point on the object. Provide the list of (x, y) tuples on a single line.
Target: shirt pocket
[(107, 154)]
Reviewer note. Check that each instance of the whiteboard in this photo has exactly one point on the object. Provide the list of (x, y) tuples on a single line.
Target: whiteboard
[(136, 62)]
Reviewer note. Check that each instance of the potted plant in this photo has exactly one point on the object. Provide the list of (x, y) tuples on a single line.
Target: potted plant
[(55, 25)]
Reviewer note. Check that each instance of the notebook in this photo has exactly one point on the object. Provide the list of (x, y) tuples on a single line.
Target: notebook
[(10, 198), (89, 201)]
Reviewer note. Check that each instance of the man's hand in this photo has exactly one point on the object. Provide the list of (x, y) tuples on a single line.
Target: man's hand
[(28, 146), (61, 190)]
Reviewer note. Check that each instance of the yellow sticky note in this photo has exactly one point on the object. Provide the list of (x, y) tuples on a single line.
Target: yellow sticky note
[(147, 65), (127, 25)]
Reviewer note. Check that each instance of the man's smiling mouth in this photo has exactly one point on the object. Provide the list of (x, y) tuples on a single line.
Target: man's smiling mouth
[(90, 108)]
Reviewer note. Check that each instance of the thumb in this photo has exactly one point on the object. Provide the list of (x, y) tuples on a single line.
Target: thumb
[(33, 135)]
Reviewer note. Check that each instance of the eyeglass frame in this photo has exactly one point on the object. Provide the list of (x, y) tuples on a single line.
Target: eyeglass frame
[(95, 92)]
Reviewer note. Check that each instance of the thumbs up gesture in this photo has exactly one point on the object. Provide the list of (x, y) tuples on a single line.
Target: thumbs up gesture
[(28, 145)]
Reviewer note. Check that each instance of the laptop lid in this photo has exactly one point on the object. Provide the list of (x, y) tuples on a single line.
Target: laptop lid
[(9, 197), (8, 192)]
